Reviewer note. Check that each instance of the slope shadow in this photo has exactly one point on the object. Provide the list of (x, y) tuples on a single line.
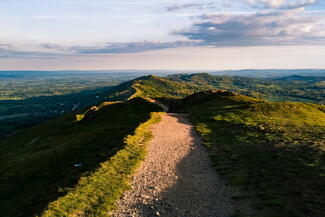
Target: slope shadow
[(285, 176), (32, 174)]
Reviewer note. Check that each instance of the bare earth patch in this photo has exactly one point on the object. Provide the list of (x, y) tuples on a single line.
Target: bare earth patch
[(176, 178)]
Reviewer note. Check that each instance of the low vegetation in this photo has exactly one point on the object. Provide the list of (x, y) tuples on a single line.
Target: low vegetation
[(96, 194), (275, 150), (72, 162)]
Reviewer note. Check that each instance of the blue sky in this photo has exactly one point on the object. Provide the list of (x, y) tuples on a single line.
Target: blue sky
[(161, 34)]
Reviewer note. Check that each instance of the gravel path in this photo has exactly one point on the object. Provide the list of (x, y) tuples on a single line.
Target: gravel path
[(176, 178)]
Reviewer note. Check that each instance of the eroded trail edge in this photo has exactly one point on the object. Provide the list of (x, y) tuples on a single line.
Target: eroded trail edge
[(176, 178)]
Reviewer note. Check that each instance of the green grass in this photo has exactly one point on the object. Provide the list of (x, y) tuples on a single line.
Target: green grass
[(292, 88), (155, 87), (97, 193), (37, 165), (274, 149)]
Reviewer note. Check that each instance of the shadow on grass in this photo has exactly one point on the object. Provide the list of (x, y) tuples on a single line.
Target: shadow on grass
[(36, 173), (287, 176), (282, 161)]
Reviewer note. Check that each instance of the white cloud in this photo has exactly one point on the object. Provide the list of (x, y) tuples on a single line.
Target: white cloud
[(56, 50), (289, 27), (280, 4)]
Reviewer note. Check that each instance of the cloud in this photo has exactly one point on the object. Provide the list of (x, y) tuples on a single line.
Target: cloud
[(53, 46), (191, 5), (133, 47), (280, 4), (275, 27), (54, 50), (33, 51), (14, 53), (6, 46), (290, 27)]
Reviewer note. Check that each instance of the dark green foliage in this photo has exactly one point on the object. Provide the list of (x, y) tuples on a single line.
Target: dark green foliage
[(19, 114), (276, 149), (37, 165)]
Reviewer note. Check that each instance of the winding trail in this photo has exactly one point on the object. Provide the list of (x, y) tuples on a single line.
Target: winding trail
[(176, 178)]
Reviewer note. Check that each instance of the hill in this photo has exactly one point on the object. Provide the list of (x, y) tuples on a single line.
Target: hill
[(308, 89), (34, 97), (301, 78), (276, 150), (38, 99), (271, 146), (29, 98), (153, 87), (271, 73), (80, 163), (43, 163)]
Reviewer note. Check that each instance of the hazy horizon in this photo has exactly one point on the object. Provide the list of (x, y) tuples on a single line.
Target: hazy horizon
[(165, 70)]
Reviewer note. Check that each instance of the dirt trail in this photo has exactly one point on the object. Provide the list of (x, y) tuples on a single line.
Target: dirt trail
[(176, 178)]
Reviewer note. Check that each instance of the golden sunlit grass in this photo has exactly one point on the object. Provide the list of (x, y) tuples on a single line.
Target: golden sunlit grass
[(96, 194)]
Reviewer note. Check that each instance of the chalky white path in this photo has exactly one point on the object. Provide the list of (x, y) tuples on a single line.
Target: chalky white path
[(176, 178)]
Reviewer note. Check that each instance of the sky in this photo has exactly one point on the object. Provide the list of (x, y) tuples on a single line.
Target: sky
[(161, 34)]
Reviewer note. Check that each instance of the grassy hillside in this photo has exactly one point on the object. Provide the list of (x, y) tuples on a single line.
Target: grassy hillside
[(42, 164), (274, 149), (292, 88), (154, 87), (29, 98), (47, 99), (79, 163)]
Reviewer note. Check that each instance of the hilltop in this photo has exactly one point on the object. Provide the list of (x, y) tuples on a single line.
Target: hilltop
[(153, 87)]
